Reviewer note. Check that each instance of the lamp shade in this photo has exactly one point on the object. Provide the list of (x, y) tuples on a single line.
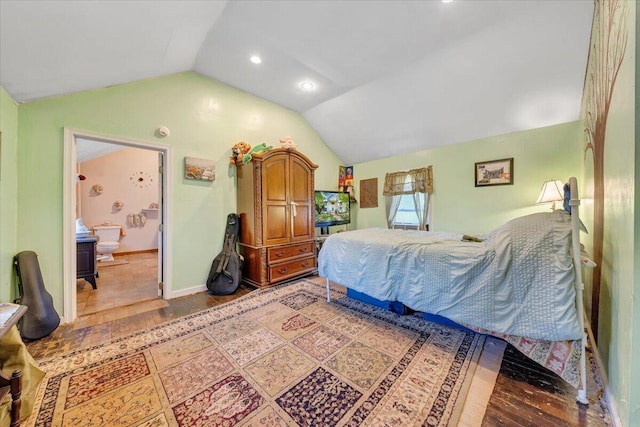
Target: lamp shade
[(552, 191)]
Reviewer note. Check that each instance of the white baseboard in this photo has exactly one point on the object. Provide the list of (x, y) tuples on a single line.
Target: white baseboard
[(609, 398), (616, 421), (188, 291)]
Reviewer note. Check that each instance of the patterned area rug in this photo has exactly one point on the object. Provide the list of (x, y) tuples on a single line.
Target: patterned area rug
[(276, 357)]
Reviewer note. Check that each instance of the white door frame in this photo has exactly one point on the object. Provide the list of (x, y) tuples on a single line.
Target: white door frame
[(69, 212)]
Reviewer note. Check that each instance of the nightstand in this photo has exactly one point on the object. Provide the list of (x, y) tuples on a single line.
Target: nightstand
[(86, 259)]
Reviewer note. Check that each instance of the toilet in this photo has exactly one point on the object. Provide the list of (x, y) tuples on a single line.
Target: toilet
[(108, 241)]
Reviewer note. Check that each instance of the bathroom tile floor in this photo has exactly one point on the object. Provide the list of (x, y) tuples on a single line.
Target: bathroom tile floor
[(120, 284)]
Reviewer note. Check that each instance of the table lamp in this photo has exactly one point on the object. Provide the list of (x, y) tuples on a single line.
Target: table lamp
[(551, 192)]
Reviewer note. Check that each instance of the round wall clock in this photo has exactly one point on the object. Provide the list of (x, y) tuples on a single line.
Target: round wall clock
[(141, 179)]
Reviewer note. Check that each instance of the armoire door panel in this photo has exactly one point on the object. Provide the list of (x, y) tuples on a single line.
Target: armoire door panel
[(300, 182), (302, 227), (275, 179), (276, 224)]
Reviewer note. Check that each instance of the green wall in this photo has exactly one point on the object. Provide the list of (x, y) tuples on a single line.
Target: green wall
[(634, 392), (619, 335), (136, 110), (619, 312), (458, 206), (8, 194)]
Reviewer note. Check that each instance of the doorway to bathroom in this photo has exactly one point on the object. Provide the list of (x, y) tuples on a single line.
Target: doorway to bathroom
[(115, 188)]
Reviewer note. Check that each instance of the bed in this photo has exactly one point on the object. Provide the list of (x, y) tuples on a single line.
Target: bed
[(521, 282)]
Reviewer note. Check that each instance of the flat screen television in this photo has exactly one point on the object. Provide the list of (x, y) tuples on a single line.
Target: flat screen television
[(331, 208)]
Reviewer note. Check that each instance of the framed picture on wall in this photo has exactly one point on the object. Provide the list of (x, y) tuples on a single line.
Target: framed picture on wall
[(494, 172), (369, 193), (199, 169), (341, 176), (348, 175)]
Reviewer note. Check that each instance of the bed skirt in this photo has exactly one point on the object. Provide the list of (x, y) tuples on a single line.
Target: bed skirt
[(560, 357)]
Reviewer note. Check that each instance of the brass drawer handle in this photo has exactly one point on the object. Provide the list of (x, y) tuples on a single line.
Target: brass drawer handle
[(282, 270), (304, 249), (280, 254), (305, 264)]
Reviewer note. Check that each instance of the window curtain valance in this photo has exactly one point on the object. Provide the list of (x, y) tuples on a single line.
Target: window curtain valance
[(420, 181)]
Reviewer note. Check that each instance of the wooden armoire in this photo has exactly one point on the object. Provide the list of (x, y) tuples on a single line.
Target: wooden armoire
[(276, 208)]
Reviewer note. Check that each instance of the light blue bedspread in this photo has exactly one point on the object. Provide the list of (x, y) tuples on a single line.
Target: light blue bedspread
[(519, 281)]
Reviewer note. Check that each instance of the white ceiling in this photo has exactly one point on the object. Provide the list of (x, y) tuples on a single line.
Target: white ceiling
[(391, 77), (87, 149)]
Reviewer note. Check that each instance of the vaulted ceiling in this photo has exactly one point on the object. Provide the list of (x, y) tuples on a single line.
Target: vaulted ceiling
[(390, 77)]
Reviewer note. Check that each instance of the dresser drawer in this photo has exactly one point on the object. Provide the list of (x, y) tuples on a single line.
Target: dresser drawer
[(282, 253), (289, 269)]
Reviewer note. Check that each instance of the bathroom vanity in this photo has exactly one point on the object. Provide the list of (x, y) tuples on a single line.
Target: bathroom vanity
[(86, 262)]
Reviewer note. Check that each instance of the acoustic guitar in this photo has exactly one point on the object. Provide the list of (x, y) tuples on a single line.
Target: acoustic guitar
[(226, 270)]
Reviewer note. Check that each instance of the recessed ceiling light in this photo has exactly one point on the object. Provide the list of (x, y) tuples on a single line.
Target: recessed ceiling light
[(447, 1), (256, 59), (307, 85)]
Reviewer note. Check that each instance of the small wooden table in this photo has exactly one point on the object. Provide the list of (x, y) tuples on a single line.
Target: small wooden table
[(9, 316), (320, 241)]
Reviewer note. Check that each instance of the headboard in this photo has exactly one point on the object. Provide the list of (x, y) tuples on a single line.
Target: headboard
[(572, 205)]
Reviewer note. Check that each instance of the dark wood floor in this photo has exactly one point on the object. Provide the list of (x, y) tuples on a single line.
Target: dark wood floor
[(525, 393)]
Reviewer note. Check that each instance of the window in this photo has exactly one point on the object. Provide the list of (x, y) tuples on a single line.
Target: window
[(407, 198), (406, 216)]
